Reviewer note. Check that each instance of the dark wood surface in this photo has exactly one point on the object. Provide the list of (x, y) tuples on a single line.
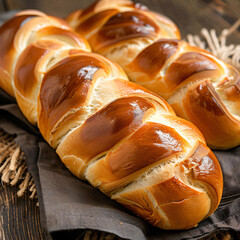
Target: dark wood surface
[(190, 15), (19, 217), (2, 8)]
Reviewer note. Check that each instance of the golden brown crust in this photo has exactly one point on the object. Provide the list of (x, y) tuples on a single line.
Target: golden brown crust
[(203, 168), (119, 136), (180, 204), (205, 109), (27, 80), (113, 24), (145, 44), (65, 89), (23, 29), (110, 124), (7, 50), (176, 204), (152, 144)]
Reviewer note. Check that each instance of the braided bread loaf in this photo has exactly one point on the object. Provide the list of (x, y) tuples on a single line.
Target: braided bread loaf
[(199, 87), (118, 136)]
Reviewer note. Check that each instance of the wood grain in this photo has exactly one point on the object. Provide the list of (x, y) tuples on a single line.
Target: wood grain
[(190, 16), (59, 8), (2, 8), (19, 217)]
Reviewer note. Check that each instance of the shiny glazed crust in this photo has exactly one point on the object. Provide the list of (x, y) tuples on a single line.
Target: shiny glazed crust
[(199, 87), (117, 135)]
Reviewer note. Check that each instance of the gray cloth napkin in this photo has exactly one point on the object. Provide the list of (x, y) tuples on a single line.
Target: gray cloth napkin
[(67, 203)]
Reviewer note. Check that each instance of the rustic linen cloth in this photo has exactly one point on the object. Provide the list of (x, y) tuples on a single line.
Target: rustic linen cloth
[(67, 203)]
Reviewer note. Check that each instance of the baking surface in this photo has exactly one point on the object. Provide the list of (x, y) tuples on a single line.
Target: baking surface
[(20, 217)]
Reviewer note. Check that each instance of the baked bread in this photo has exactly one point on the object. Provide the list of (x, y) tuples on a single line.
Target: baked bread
[(115, 134), (199, 87)]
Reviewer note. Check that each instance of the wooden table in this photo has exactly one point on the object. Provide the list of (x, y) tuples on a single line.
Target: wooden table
[(19, 217)]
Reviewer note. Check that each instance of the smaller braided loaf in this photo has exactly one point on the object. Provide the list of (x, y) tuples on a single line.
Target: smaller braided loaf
[(199, 87)]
